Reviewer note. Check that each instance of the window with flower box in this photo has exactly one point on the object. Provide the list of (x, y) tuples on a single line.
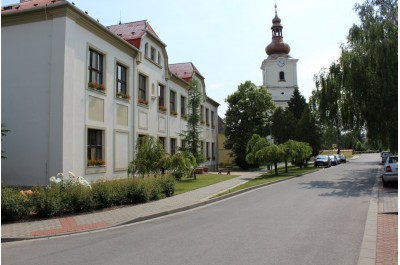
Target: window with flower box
[(121, 90), (95, 148), (142, 96), (161, 98), (183, 106), (172, 102), (95, 68)]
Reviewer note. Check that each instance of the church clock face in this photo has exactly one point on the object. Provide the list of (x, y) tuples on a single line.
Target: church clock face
[(281, 62)]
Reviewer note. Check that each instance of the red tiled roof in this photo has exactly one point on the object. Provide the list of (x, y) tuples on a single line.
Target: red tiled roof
[(30, 5), (184, 70), (133, 31)]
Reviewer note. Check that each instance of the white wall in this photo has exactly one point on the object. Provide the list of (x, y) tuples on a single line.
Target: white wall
[(76, 93), (32, 77)]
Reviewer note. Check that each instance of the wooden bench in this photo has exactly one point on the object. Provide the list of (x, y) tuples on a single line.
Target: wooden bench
[(224, 169)]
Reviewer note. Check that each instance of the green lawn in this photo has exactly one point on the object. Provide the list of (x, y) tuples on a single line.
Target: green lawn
[(188, 184), (266, 178)]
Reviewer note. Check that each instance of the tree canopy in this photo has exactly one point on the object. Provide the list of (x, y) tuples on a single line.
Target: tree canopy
[(247, 114), (191, 136), (359, 91)]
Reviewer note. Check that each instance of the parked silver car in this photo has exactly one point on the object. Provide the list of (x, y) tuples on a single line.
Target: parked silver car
[(389, 170)]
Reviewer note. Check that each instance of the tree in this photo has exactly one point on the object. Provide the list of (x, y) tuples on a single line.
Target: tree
[(359, 92), (297, 104), (247, 114), (182, 165), (191, 136), (308, 131), (283, 125), (330, 83), (299, 152), (150, 157), (255, 144), (261, 151)]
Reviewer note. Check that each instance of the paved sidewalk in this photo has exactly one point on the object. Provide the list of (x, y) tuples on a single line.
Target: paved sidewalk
[(123, 215), (380, 243)]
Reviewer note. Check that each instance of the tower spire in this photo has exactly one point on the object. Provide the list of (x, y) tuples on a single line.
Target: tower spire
[(277, 46)]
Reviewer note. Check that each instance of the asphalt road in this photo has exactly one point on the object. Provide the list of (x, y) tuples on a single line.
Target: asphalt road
[(318, 218)]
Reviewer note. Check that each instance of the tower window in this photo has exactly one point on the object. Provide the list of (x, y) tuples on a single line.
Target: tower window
[(281, 76)]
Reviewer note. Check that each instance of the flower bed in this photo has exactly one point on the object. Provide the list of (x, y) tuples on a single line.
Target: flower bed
[(75, 194)]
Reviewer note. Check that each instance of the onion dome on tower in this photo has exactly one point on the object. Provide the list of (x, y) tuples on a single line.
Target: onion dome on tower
[(277, 46)]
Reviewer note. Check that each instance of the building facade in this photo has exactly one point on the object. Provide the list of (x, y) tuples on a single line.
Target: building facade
[(279, 70), (76, 95)]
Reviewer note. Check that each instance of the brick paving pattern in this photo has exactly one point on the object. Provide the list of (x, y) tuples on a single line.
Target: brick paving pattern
[(387, 245), (69, 225)]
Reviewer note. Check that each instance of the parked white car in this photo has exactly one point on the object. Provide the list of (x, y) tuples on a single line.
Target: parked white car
[(384, 155), (389, 170)]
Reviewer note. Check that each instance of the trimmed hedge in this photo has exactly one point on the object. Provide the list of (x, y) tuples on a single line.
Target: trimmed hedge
[(67, 197)]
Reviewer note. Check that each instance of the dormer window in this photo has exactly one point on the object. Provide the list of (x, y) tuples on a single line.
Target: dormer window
[(153, 54), (146, 49), (159, 58), (281, 76)]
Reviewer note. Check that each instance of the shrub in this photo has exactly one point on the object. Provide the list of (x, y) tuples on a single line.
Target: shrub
[(47, 201), (139, 191), (168, 185), (109, 193), (14, 205), (77, 198)]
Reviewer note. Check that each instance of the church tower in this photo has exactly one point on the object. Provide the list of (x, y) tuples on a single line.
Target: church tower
[(279, 70)]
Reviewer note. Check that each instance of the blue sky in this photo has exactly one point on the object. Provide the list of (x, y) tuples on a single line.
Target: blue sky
[(226, 39)]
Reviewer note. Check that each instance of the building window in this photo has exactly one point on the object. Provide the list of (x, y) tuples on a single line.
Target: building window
[(153, 54), (208, 150), (183, 144), (159, 58), (173, 146), (281, 76), (172, 101), (207, 117), (201, 114), (161, 97), (121, 81), (202, 147), (183, 105), (162, 142), (142, 89), (212, 119), (146, 49), (95, 147), (213, 151), (95, 67)]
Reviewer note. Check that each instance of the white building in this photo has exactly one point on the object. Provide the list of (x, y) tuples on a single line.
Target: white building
[(77, 95), (279, 69)]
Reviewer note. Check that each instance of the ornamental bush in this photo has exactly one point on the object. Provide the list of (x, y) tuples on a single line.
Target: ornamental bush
[(14, 205), (66, 197)]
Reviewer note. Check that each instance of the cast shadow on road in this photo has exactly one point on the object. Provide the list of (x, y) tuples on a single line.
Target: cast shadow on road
[(352, 184)]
